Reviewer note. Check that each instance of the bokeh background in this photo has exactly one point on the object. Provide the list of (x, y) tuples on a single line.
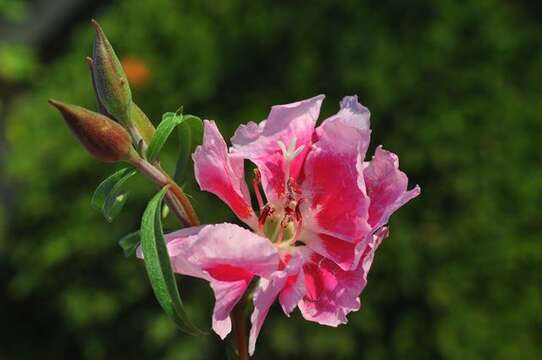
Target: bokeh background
[(454, 87)]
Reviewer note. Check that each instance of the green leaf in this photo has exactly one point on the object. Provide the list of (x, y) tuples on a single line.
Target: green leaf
[(158, 265), (190, 133), (109, 197), (115, 200), (129, 243), (163, 131)]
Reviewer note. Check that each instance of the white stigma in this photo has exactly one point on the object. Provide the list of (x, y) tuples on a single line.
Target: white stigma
[(290, 152)]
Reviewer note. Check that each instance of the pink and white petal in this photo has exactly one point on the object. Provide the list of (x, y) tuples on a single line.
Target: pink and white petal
[(331, 292), (293, 292), (260, 143), (354, 113), (222, 174), (294, 288), (179, 235), (226, 255), (264, 296), (333, 184), (386, 186), (221, 249), (267, 291), (227, 295)]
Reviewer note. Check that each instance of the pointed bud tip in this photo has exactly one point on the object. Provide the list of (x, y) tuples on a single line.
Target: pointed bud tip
[(58, 104), (96, 25)]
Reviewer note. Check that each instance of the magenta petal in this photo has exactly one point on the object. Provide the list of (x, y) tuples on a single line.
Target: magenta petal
[(386, 186), (222, 174), (343, 253), (227, 256), (260, 143), (265, 294), (332, 293), (333, 181)]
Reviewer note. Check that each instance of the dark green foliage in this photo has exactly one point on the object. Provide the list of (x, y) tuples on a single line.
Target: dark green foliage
[(453, 87), (159, 269)]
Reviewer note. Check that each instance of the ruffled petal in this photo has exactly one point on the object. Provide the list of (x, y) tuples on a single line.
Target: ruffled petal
[(386, 186), (227, 256), (261, 143), (342, 252), (222, 174), (332, 293), (333, 184), (267, 291), (294, 288)]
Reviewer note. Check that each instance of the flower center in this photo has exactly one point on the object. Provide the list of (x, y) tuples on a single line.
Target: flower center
[(282, 225)]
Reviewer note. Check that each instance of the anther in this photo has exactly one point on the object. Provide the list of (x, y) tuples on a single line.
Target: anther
[(256, 186), (264, 214)]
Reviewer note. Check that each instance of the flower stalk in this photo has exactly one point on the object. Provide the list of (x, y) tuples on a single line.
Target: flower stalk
[(175, 198), (239, 329)]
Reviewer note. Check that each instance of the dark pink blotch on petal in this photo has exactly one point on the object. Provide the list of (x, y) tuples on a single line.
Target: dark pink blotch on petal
[(259, 143), (332, 293), (222, 174), (333, 183), (340, 251), (227, 256)]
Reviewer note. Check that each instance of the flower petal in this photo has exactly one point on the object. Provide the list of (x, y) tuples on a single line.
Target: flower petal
[(222, 174), (338, 204), (332, 293), (267, 291), (342, 252), (227, 256), (260, 143), (294, 289), (386, 186)]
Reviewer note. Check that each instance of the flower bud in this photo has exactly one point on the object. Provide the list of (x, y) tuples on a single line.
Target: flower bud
[(142, 123), (110, 80), (99, 106), (105, 139)]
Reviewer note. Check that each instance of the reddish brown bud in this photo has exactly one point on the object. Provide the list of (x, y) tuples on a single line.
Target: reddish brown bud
[(105, 139)]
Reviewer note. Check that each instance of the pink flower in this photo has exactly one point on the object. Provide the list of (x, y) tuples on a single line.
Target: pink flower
[(320, 218)]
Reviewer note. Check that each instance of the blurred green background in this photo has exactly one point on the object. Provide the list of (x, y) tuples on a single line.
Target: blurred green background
[(454, 88)]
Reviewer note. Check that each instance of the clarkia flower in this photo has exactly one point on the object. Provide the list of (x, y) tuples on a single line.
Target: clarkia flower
[(320, 218)]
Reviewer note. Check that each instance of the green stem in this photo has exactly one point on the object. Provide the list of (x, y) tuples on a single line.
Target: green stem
[(175, 198), (239, 329)]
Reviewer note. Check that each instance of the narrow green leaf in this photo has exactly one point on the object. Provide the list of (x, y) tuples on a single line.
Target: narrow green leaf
[(163, 131), (129, 243), (158, 265), (190, 133), (109, 194), (116, 198)]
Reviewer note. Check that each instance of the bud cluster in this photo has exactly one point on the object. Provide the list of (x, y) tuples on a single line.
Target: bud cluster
[(110, 133)]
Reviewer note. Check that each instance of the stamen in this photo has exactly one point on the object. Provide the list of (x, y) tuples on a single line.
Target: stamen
[(264, 214), (256, 186), (299, 220)]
